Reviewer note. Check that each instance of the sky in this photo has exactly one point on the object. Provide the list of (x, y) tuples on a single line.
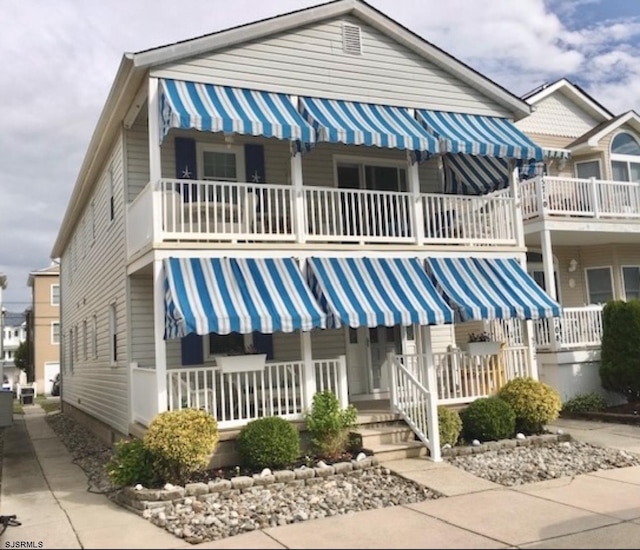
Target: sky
[(58, 60)]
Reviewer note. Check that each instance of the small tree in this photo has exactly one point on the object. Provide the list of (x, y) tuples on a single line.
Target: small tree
[(620, 355), (21, 359), (329, 425)]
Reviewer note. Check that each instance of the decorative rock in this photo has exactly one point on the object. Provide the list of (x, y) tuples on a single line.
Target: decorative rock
[(322, 464), (304, 473), (195, 489), (324, 471), (340, 467), (284, 475), (360, 457), (446, 446), (169, 487), (259, 479), (520, 435), (560, 431), (475, 443), (219, 485), (138, 487), (266, 472), (241, 482)]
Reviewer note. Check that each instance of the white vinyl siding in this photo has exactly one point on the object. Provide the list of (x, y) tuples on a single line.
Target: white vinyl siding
[(310, 61), (141, 319)]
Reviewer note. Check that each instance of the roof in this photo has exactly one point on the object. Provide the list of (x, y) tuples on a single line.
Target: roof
[(129, 81), (51, 271), (13, 319), (593, 136)]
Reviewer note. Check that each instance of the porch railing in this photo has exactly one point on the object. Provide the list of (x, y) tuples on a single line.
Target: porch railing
[(213, 211), (580, 198), (235, 398)]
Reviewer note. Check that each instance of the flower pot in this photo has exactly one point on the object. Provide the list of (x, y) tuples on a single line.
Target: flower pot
[(241, 363), (482, 348)]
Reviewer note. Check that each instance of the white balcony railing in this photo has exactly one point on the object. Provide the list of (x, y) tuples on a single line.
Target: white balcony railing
[(212, 211), (580, 198)]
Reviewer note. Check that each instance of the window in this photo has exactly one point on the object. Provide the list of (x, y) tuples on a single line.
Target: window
[(233, 343), (113, 335), (55, 333), (55, 295), (599, 285), (95, 336), (220, 163), (625, 158), (588, 169), (367, 175), (84, 339), (631, 280)]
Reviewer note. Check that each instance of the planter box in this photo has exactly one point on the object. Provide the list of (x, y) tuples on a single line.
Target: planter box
[(241, 363), (482, 348)]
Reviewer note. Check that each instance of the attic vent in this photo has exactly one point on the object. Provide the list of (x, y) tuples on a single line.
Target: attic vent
[(351, 39)]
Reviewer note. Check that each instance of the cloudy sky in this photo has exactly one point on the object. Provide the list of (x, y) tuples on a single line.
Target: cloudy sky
[(59, 59)]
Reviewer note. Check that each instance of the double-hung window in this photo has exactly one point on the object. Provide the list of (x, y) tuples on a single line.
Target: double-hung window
[(599, 284)]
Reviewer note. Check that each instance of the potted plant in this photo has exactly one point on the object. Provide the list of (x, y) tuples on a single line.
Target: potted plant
[(241, 360), (480, 343)]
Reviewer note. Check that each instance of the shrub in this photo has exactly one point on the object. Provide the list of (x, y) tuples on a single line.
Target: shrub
[(449, 425), (620, 357), (585, 402), (131, 464), (535, 403), (329, 425), (487, 419), (270, 442), (181, 442)]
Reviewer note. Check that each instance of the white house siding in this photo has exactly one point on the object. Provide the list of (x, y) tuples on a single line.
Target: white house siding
[(137, 157), (93, 278), (141, 319), (310, 61), (557, 115)]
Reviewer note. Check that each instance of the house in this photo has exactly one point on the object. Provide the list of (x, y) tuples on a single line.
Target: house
[(14, 332), (581, 216), (44, 326), (302, 187)]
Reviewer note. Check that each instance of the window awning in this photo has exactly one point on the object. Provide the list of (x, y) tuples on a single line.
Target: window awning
[(471, 175), (352, 123), (490, 288), (376, 291), (235, 110), (479, 135), (224, 295)]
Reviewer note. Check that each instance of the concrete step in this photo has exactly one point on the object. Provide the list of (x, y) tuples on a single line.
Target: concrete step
[(398, 451), (373, 419), (386, 434)]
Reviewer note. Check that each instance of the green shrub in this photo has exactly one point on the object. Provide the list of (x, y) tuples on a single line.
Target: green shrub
[(487, 419), (181, 442), (535, 403), (131, 464), (449, 425), (329, 425), (620, 356), (585, 402), (270, 442)]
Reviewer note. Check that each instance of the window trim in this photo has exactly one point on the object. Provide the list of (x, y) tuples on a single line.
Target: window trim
[(586, 281), (53, 341), (95, 336), (363, 160), (51, 294), (113, 335), (237, 150), (586, 161), (624, 286)]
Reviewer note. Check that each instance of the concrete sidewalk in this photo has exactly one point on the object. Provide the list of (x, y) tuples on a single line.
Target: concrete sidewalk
[(599, 510)]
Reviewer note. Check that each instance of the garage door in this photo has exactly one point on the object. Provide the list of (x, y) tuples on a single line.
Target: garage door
[(50, 370)]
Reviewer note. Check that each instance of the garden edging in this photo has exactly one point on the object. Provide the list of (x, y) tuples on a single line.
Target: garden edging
[(542, 439)]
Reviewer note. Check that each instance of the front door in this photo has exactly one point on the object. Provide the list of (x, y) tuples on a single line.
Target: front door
[(382, 340)]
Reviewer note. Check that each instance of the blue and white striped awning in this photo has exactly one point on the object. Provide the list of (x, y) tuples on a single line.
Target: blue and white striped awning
[(338, 121), (224, 295), (490, 288), (376, 291), (471, 175), (479, 135), (214, 108)]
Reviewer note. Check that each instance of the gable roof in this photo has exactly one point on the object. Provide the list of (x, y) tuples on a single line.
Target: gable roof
[(129, 81), (591, 138), (50, 271), (573, 92)]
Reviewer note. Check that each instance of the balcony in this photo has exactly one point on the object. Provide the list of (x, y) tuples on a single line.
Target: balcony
[(207, 211), (580, 199)]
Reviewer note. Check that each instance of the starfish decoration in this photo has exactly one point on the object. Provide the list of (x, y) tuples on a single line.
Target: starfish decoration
[(255, 178), (186, 173)]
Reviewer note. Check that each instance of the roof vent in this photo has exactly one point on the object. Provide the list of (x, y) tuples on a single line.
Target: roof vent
[(351, 39)]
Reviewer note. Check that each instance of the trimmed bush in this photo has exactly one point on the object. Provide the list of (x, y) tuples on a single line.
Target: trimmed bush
[(535, 403), (449, 425), (585, 402), (131, 464), (181, 442), (270, 442), (620, 357), (329, 425), (488, 419)]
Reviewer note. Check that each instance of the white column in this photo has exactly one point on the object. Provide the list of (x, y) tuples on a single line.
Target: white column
[(308, 373), (158, 333), (547, 263), (343, 385), (298, 198), (418, 210), (432, 386), (529, 341), (595, 199), (514, 183), (155, 159)]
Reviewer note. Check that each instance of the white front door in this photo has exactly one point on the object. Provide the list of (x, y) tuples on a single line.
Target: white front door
[(356, 348), (382, 340)]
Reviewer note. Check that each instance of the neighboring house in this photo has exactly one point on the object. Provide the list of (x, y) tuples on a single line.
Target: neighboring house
[(582, 226), (4, 379), (45, 326), (304, 187), (14, 332)]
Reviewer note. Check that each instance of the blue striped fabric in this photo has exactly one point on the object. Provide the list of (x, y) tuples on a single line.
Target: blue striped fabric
[(338, 121), (234, 110), (490, 288), (479, 135), (224, 295), (470, 175), (376, 291)]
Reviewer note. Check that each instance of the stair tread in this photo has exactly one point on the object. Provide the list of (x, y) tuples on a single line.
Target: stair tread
[(380, 447), (383, 430)]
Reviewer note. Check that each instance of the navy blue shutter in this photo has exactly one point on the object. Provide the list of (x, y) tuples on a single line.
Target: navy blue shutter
[(192, 352), (263, 343), (186, 163)]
